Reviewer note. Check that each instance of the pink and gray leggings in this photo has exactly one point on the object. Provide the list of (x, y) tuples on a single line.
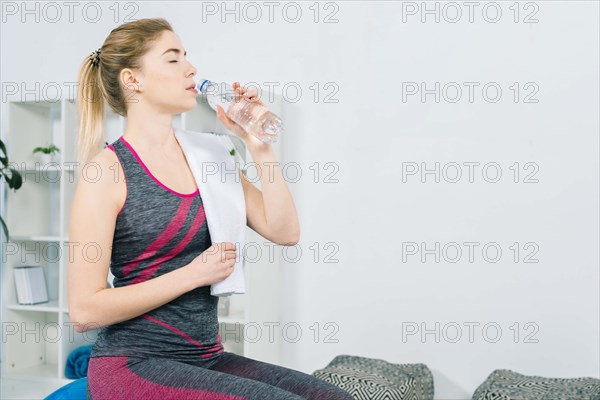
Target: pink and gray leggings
[(233, 377)]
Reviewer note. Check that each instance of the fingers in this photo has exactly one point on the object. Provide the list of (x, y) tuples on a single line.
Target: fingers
[(224, 118), (250, 94), (227, 250), (227, 245)]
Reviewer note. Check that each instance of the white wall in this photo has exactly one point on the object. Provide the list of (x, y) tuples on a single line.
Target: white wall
[(371, 295)]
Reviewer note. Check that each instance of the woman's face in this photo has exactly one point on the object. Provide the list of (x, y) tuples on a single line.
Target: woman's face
[(165, 76)]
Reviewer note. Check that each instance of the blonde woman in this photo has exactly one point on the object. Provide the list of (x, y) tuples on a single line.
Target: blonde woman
[(159, 336)]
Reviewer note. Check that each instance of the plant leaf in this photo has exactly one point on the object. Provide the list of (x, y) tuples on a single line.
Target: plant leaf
[(17, 180), (4, 228), (5, 157)]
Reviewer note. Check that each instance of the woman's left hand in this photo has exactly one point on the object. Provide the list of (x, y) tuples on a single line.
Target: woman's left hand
[(251, 95)]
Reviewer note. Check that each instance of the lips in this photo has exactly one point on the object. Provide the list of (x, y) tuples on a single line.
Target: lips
[(192, 88)]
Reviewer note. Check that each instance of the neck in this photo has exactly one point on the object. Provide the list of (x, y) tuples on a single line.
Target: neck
[(151, 134)]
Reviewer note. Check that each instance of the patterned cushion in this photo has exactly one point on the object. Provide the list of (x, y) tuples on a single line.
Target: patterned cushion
[(375, 379), (505, 384)]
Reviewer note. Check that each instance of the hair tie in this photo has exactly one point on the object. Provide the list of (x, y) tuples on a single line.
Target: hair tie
[(95, 57)]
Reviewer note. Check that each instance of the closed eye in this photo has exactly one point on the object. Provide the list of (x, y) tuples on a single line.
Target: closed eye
[(173, 61)]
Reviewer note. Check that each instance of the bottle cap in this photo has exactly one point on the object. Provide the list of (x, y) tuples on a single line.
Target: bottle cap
[(201, 85)]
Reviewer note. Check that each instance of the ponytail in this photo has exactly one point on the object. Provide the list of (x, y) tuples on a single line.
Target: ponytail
[(90, 102)]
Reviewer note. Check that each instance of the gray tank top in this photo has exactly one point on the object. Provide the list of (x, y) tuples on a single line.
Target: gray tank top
[(157, 231)]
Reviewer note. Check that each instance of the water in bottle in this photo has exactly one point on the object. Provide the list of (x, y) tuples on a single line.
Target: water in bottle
[(256, 119)]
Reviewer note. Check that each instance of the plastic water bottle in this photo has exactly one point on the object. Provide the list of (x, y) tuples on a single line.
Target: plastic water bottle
[(256, 119)]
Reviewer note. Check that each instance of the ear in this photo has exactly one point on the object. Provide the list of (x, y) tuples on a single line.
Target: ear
[(130, 83)]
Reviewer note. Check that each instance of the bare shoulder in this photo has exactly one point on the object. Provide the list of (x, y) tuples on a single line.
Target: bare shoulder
[(101, 183)]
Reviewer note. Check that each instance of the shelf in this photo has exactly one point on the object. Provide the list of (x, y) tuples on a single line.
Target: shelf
[(231, 330), (233, 319), (35, 238), (39, 167), (30, 125), (33, 209), (31, 344), (51, 306), (37, 372), (70, 124)]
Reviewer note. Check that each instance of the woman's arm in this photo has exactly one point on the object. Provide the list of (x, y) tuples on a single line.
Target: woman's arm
[(270, 212), (92, 223)]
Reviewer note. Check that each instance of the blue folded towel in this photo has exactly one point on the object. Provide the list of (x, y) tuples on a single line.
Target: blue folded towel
[(77, 362)]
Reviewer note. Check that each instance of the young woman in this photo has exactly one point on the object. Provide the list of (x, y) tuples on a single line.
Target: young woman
[(143, 216)]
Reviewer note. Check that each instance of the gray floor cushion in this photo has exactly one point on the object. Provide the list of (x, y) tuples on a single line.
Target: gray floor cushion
[(505, 384), (376, 379)]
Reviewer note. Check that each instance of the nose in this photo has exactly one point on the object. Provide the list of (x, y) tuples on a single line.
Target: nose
[(192, 71)]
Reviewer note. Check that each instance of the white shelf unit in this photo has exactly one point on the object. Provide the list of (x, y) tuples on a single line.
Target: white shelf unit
[(39, 338)]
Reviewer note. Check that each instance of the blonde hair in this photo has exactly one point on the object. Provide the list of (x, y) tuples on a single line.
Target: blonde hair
[(123, 48)]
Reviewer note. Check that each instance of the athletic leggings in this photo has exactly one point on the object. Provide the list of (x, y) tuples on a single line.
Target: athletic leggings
[(233, 377)]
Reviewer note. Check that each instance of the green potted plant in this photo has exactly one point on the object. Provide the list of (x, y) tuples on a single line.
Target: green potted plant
[(12, 177), (46, 154)]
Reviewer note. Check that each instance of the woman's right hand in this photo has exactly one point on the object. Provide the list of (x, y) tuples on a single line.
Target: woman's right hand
[(213, 264)]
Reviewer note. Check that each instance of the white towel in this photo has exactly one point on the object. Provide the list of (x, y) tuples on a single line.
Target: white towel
[(214, 170)]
